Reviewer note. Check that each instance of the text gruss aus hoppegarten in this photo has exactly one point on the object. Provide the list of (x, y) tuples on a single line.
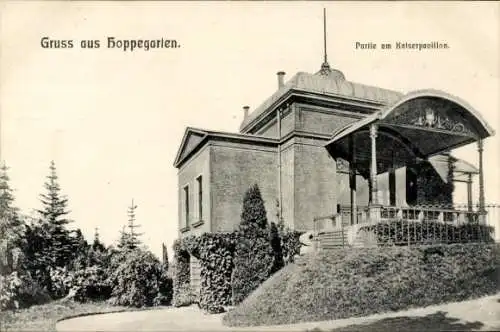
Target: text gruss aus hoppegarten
[(111, 43)]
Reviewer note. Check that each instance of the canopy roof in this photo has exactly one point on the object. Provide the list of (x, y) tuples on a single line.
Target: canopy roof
[(423, 123)]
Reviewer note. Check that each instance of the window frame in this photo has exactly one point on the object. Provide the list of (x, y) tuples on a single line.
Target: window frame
[(186, 208), (199, 195)]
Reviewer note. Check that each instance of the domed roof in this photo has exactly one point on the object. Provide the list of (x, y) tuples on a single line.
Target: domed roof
[(328, 82)]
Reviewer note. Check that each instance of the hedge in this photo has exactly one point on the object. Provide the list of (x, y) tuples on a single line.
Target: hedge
[(253, 262), (216, 257), (362, 281), (215, 253), (402, 232), (182, 289)]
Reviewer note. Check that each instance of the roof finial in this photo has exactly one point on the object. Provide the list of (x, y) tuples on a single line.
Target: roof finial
[(325, 67)]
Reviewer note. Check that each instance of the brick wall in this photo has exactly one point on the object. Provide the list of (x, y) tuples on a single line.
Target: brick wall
[(321, 121), (315, 183), (198, 165), (234, 168)]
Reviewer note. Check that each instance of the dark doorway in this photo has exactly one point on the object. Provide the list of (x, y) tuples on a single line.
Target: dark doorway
[(411, 186), (392, 187)]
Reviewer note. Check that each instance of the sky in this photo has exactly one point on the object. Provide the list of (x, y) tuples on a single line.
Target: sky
[(113, 120)]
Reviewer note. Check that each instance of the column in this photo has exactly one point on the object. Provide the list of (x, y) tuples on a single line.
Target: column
[(481, 180), (373, 167), (469, 192), (352, 178), (374, 206)]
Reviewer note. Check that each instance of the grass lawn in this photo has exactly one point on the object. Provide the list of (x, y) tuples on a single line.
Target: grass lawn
[(44, 317), (357, 282)]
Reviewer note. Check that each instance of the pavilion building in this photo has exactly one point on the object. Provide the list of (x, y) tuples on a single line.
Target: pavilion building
[(322, 145)]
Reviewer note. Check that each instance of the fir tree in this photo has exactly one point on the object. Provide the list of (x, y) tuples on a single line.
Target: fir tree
[(123, 240), (12, 230), (60, 243), (81, 249), (133, 240), (97, 244)]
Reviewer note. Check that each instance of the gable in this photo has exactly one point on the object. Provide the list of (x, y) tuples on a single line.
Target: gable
[(192, 138)]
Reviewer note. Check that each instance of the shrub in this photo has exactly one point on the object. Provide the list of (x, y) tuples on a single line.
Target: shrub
[(215, 253), (61, 281), (253, 262), (137, 280), (165, 294), (254, 259), (362, 281), (18, 290), (90, 284), (290, 245), (402, 232), (216, 258), (275, 241), (182, 293)]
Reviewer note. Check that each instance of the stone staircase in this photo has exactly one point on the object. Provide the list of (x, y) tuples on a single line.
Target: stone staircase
[(334, 239)]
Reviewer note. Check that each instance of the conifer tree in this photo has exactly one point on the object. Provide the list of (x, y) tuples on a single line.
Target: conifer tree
[(133, 240), (97, 244), (123, 240), (164, 256), (12, 239), (254, 211), (254, 256), (81, 250), (60, 244), (275, 240)]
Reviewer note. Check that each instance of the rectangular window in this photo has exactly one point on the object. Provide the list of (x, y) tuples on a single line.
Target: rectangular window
[(186, 205), (199, 181)]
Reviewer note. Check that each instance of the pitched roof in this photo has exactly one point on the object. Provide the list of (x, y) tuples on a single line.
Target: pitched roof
[(333, 85)]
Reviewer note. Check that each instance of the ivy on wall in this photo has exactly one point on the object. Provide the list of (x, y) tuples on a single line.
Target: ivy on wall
[(182, 289), (215, 253)]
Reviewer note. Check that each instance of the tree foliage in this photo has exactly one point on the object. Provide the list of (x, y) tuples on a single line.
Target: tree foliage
[(59, 244), (254, 259), (12, 230), (253, 212)]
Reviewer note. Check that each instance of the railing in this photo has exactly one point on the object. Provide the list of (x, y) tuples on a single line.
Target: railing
[(412, 225)]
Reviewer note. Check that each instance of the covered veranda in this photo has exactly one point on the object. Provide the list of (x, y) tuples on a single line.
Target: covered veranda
[(423, 125)]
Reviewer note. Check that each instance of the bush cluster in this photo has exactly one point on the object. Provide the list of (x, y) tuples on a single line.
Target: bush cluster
[(91, 284), (290, 245), (182, 293), (402, 232), (363, 281), (233, 264), (19, 290), (138, 280)]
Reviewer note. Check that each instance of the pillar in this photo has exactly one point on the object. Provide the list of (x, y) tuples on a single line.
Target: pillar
[(352, 178), (469, 192), (373, 166), (374, 204), (482, 209)]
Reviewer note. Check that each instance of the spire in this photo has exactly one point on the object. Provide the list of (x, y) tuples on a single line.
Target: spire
[(325, 67)]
